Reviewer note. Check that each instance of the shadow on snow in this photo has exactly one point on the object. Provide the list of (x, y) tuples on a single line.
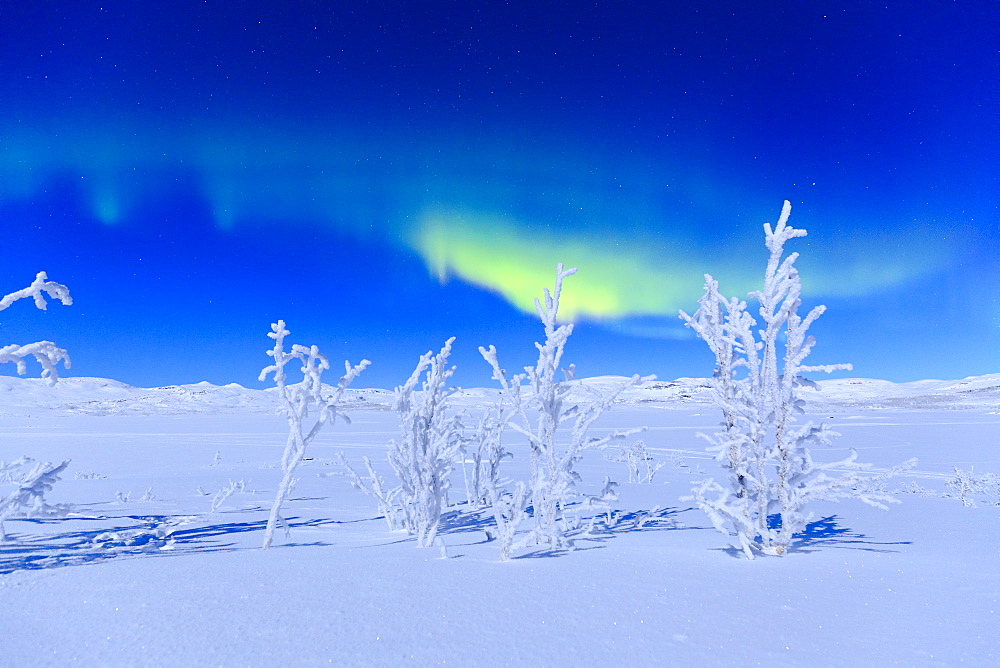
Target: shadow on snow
[(146, 536), (826, 532), (595, 530), (167, 535)]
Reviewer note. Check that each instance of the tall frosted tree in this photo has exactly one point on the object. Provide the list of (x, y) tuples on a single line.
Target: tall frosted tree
[(771, 475)]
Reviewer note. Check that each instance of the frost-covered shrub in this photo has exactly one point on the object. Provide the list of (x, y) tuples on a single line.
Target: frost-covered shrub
[(771, 476), (46, 352), (991, 486), (641, 465), (297, 401), (538, 414), (509, 510), (226, 492), (374, 486), (486, 457), (424, 456), (603, 501), (32, 481), (967, 484)]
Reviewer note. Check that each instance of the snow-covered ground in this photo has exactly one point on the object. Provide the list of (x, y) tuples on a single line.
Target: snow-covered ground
[(143, 572)]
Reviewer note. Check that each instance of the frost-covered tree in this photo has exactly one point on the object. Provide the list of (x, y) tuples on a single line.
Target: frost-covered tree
[(487, 455), (538, 414), (424, 455), (297, 402), (46, 352), (759, 365)]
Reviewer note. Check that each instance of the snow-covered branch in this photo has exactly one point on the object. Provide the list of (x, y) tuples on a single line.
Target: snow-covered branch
[(37, 290), (46, 352)]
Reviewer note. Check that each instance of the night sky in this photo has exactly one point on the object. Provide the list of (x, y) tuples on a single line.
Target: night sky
[(384, 175)]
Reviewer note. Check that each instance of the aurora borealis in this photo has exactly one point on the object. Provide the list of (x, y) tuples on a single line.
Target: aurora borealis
[(385, 175)]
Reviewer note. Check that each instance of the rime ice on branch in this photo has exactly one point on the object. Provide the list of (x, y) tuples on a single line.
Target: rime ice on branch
[(297, 400), (771, 473), (46, 352)]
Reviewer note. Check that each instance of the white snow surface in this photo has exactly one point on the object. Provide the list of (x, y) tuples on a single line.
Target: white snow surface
[(142, 573)]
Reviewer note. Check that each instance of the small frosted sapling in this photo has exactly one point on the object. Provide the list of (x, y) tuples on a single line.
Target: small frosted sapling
[(640, 463), (424, 455), (509, 510), (487, 456), (297, 401), (539, 413)]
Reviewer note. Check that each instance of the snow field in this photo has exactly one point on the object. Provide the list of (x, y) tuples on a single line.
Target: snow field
[(162, 581)]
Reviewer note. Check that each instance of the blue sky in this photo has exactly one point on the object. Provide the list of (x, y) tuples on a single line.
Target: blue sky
[(386, 175)]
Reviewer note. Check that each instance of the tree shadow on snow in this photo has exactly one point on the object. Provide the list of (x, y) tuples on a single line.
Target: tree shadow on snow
[(595, 531), (143, 536), (591, 533), (828, 533), (468, 520)]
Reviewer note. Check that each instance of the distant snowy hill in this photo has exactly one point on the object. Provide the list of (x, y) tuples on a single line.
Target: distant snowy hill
[(971, 392), (101, 396)]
